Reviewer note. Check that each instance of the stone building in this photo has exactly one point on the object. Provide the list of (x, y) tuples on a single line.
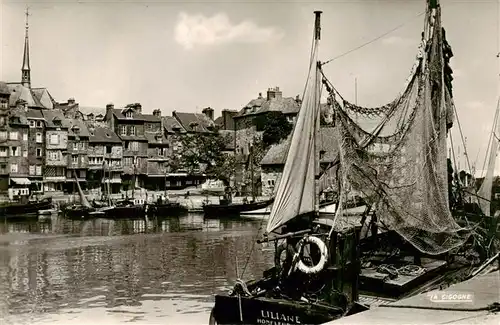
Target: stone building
[(4, 149), (274, 161), (128, 124), (105, 156), (77, 154), (158, 147), (56, 146), (36, 148)]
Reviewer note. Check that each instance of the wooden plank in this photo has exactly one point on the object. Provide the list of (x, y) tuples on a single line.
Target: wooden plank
[(484, 289)]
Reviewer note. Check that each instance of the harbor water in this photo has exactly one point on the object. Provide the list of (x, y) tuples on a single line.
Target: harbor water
[(165, 271)]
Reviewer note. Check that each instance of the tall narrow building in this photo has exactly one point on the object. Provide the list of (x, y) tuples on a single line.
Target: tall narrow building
[(25, 70)]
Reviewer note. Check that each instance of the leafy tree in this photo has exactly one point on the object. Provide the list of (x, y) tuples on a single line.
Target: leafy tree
[(208, 150), (275, 127)]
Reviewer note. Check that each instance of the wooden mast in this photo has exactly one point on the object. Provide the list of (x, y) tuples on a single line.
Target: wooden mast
[(317, 37)]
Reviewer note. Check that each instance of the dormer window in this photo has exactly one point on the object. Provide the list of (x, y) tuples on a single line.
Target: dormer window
[(129, 114), (57, 122)]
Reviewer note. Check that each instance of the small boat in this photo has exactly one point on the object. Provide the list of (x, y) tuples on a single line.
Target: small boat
[(77, 211), (225, 207), (166, 209), (17, 208), (125, 209)]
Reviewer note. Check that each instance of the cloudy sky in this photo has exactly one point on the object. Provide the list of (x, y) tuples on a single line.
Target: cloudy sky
[(186, 55)]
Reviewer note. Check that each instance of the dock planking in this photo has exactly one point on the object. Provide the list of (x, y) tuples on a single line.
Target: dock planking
[(485, 290)]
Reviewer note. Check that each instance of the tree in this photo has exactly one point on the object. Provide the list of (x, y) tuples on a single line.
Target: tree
[(207, 149), (275, 127)]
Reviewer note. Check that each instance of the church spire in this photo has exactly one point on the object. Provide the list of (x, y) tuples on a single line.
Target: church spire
[(25, 70)]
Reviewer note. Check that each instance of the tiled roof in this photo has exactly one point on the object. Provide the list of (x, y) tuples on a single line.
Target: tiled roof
[(51, 115), (34, 114), (151, 118), (276, 155), (22, 117), (43, 97), (287, 105), (19, 92), (120, 114), (152, 137), (230, 134), (132, 137), (103, 135), (169, 123), (194, 122), (79, 125)]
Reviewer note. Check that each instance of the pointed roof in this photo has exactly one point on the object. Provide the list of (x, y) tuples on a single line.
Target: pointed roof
[(43, 96), (25, 69), (20, 92), (194, 122), (171, 125)]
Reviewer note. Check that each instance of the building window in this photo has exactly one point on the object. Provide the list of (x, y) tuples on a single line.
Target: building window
[(25, 137), (4, 151), (54, 155), (75, 146), (132, 130), (3, 135), (82, 146), (82, 174), (129, 114), (32, 170), (32, 125), (3, 104), (2, 120), (39, 170), (54, 139), (74, 159), (134, 146), (127, 161), (25, 153), (39, 124), (270, 182), (13, 135), (38, 152), (82, 159), (161, 151), (123, 130), (13, 168), (38, 138), (14, 152), (108, 149)]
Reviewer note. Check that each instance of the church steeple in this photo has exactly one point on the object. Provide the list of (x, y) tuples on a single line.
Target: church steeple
[(25, 70)]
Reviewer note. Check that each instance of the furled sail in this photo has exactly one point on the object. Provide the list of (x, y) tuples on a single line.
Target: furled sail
[(296, 193), (484, 193)]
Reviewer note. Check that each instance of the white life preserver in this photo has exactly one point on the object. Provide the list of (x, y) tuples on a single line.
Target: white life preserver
[(323, 258)]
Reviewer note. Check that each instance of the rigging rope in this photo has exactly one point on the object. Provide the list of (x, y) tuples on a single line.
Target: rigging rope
[(373, 40)]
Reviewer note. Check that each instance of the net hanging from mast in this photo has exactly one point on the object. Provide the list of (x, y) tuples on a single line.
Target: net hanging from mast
[(397, 161)]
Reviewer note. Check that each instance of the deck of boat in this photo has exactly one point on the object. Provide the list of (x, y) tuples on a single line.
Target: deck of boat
[(484, 291)]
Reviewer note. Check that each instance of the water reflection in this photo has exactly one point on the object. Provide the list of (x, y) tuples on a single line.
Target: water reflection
[(174, 265)]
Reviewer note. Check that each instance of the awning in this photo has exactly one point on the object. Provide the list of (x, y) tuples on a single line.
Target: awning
[(21, 181)]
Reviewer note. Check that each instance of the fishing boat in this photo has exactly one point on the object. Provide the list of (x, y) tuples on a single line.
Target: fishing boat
[(13, 209), (405, 242), (82, 210), (165, 208)]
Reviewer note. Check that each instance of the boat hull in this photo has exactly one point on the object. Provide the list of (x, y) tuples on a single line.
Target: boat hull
[(17, 209), (218, 210), (269, 311), (126, 212), (166, 210)]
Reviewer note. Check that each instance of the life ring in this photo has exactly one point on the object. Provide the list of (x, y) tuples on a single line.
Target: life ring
[(323, 255)]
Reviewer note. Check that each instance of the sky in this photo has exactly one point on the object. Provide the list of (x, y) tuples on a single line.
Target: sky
[(187, 55)]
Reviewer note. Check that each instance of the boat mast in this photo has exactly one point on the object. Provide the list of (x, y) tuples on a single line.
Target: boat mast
[(317, 37), (251, 173)]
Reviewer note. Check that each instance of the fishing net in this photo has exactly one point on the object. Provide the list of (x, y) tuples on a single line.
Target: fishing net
[(395, 155)]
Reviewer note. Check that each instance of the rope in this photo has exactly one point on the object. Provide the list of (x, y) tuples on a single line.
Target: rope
[(494, 307), (373, 40), (409, 270)]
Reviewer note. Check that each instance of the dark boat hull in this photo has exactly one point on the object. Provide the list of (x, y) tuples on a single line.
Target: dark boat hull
[(78, 213), (126, 212), (218, 210), (19, 209), (269, 311), (166, 210)]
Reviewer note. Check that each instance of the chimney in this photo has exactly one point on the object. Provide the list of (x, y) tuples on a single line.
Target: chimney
[(109, 107), (138, 108), (298, 100), (274, 93), (260, 96), (209, 112), (71, 101), (157, 113)]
